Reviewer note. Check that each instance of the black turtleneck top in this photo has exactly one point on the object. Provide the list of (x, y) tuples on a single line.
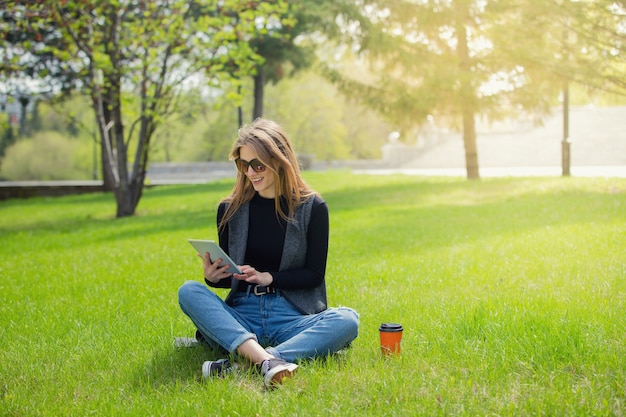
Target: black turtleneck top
[(266, 238)]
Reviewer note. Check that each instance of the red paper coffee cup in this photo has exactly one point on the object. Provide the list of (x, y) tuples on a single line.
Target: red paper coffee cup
[(390, 338)]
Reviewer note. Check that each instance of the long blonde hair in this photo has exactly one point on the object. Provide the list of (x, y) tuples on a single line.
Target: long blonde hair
[(273, 148)]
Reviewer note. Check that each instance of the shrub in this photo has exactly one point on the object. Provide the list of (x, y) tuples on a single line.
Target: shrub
[(46, 156)]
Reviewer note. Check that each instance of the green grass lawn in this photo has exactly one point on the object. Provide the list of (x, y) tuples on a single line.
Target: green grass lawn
[(512, 293)]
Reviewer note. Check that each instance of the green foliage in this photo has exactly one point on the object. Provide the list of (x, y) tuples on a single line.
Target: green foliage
[(47, 156), (68, 122), (413, 49), (288, 47), (318, 119), (30, 68), (72, 116), (511, 293), (321, 122), (7, 136), (319, 130)]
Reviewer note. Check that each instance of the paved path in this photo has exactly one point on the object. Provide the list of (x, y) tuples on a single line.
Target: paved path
[(585, 171), (598, 148)]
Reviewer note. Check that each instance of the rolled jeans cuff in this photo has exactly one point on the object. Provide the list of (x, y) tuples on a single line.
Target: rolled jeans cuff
[(241, 340)]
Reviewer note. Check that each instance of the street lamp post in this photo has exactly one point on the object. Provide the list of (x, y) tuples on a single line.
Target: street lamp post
[(566, 143)]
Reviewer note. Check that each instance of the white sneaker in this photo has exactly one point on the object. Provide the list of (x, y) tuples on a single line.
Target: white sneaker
[(276, 370), (218, 368)]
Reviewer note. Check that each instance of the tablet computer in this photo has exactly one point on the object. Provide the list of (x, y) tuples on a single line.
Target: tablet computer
[(203, 246)]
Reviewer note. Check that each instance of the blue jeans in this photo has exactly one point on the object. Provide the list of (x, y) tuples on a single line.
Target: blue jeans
[(269, 319)]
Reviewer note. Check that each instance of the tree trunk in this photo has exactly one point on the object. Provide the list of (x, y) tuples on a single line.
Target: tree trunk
[(125, 187), (128, 200), (140, 165), (102, 114), (468, 98), (23, 126), (107, 106), (469, 141), (100, 99), (259, 84)]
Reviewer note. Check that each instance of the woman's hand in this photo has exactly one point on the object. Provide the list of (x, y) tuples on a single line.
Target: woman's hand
[(214, 271), (253, 276)]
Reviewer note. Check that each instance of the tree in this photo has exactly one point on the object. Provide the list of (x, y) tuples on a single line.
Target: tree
[(594, 43), (422, 64), (462, 58), (134, 58), (276, 46), (288, 45), (581, 42), (29, 71), (29, 65)]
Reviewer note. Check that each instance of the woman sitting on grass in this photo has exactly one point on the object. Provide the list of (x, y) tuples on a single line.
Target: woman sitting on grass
[(276, 227)]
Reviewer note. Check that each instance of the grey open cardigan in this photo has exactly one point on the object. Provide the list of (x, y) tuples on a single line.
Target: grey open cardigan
[(306, 300)]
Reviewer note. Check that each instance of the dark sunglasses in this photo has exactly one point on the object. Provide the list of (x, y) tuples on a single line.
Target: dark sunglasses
[(256, 165)]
